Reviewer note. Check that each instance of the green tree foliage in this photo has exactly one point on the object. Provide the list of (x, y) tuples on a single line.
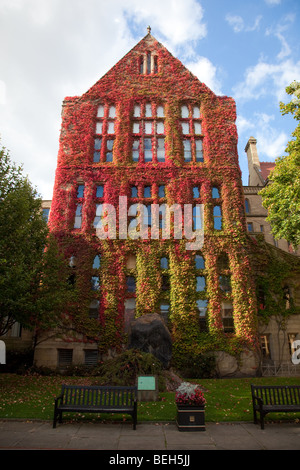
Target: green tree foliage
[(33, 276), (281, 197)]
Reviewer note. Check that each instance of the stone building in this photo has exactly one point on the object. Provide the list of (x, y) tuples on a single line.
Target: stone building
[(147, 137)]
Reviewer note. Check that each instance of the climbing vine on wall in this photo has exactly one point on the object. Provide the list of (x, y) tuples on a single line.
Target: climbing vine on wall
[(173, 85)]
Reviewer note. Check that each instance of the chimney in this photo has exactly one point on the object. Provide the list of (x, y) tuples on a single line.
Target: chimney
[(253, 163)]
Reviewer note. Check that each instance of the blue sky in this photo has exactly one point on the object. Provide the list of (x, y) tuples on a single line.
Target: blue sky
[(50, 49)]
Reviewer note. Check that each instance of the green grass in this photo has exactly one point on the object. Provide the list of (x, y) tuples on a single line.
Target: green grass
[(32, 397)]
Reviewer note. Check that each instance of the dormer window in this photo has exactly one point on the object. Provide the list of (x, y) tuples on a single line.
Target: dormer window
[(148, 64)]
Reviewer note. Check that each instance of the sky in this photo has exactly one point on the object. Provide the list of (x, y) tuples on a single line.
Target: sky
[(50, 49)]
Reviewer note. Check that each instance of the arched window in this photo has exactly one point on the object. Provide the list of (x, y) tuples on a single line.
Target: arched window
[(164, 263), (215, 193), (96, 263)]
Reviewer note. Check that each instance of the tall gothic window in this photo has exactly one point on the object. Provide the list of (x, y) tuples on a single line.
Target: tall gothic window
[(148, 133), (190, 123), (104, 133)]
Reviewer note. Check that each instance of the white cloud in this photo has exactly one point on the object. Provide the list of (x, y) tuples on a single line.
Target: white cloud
[(206, 72), (60, 48), (273, 2), (265, 79), (178, 21), (238, 24), (278, 31), (271, 142), (2, 92)]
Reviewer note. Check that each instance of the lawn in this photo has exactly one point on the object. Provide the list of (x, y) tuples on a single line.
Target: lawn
[(32, 397)]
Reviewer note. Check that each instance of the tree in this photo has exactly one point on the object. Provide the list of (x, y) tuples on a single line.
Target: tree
[(281, 197), (33, 275)]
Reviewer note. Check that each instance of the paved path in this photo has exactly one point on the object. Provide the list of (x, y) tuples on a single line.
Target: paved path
[(33, 435)]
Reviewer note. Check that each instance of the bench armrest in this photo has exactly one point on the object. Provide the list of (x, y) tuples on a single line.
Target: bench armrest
[(59, 398), (259, 400)]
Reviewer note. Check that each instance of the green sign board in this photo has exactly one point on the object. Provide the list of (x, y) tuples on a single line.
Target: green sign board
[(146, 383)]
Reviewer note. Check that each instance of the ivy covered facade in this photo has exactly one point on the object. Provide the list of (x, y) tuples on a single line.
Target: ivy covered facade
[(149, 132)]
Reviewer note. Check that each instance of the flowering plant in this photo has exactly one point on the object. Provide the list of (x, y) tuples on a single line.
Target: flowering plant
[(189, 394)]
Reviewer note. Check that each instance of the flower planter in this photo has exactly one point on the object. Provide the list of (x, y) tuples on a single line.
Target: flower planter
[(191, 418)]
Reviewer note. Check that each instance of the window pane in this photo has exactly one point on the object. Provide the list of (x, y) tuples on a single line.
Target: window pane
[(247, 206), (148, 150), (131, 286), (160, 128), (160, 150), (217, 211), (197, 223), (96, 158), (109, 144), (148, 127), (111, 128), (196, 192), (199, 262), (196, 112), (148, 110), (215, 193), (136, 127), (161, 191), (160, 111), (185, 127), (147, 191), (77, 222), (137, 111), (134, 191), (80, 190), (112, 112), (202, 307), (97, 219), (217, 218), (95, 283), (96, 263), (187, 150), (199, 151), (97, 145), (197, 127), (100, 112), (164, 263), (100, 191), (184, 112), (99, 128), (135, 150), (200, 283)]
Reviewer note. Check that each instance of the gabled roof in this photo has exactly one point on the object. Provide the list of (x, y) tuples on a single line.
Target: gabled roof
[(126, 70)]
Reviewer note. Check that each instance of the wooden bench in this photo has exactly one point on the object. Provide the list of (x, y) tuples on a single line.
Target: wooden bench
[(277, 398), (96, 399)]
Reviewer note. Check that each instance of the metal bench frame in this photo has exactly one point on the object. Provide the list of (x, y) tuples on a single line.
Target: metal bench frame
[(274, 398), (96, 399)]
